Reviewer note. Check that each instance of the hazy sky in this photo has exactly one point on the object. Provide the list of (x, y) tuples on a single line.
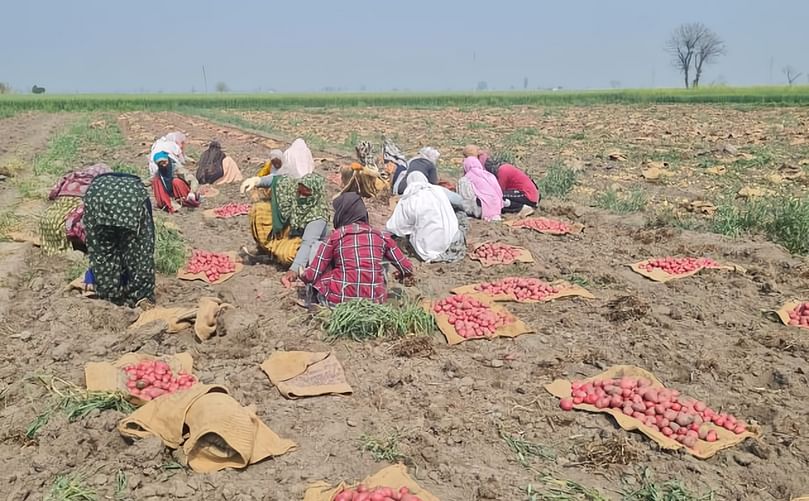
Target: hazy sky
[(297, 46)]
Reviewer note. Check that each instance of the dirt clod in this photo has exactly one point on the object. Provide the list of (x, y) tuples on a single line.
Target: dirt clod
[(626, 308)]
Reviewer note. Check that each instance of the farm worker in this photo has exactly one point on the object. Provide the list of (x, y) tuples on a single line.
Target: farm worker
[(480, 191), (216, 167), (349, 265), (425, 162), (295, 162), (273, 164), (288, 219), (436, 232), (364, 177), (520, 192), (395, 161), (120, 239), (173, 186), (61, 227), (172, 143)]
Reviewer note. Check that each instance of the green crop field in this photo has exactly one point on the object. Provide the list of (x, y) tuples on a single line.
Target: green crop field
[(797, 95)]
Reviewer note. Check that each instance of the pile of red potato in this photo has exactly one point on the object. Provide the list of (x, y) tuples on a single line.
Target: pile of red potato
[(212, 264), (800, 315), (150, 379), (497, 253), (543, 225), (363, 493), (232, 210), (521, 288), (470, 317), (682, 419), (679, 265)]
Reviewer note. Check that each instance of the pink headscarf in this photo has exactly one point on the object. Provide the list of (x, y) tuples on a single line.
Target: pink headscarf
[(486, 187)]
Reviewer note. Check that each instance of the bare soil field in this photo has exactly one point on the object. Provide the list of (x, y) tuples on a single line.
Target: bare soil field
[(706, 335)]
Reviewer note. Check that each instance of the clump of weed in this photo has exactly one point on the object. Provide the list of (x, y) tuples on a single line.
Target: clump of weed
[(525, 451), (170, 250), (386, 449), (71, 487), (613, 201), (671, 490), (558, 182), (782, 219)]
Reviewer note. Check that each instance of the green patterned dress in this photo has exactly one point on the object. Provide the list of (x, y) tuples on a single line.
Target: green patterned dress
[(120, 238)]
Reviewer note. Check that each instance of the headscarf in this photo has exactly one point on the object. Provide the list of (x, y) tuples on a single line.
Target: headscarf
[(365, 154), (160, 156), (177, 137), (210, 166), (298, 160), (486, 187), (75, 184), (430, 154), (277, 154), (169, 145), (348, 209), (425, 214), (470, 150), (288, 207)]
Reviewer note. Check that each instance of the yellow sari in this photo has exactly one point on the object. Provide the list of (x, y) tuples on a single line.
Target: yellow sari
[(282, 248)]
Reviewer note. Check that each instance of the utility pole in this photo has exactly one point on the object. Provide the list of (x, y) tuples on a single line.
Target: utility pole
[(772, 63), (205, 78)]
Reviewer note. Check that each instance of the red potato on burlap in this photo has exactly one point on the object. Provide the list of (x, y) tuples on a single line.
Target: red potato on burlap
[(150, 379), (522, 289), (231, 210), (212, 264), (363, 493), (679, 265), (470, 317), (497, 253)]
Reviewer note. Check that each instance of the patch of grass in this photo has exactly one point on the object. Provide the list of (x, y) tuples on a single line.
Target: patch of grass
[(578, 280), (74, 402), (360, 320), (670, 217), (525, 451), (558, 182), (8, 222), (77, 269), (578, 136), (554, 489), (762, 157), (70, 487), (127, 168), (613, 201), (386, 449), (27, 187), (478, 126), (671, 490), (70, 147), (170, 249), (782, 219), (13, 167), (121, 485), (352, 140)]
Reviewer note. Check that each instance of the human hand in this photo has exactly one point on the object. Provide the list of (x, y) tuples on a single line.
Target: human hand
[(248, 184), (289, 278), (192, 197)]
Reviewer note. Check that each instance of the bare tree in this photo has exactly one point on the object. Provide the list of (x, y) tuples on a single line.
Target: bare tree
[(709, 48), (5, 88), (693, 44), (222, 87), (791, 73)]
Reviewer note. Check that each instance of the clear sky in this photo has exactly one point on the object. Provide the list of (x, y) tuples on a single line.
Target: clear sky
[(299, 46)]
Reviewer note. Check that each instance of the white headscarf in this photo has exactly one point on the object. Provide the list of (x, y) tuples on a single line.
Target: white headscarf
[(430, 154), (425, 214), (170, 143), (298, 160)]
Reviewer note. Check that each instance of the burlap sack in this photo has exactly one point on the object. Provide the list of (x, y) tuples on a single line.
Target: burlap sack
[(223, 434), (106, 376), (524, 257), (566, 289), (207, 314), (394, 476), (164, 417), (575, 228), (659, 275), (183, 273), (561, 388), (175, 319), (305, 374), (784, 311), (512, 329)]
